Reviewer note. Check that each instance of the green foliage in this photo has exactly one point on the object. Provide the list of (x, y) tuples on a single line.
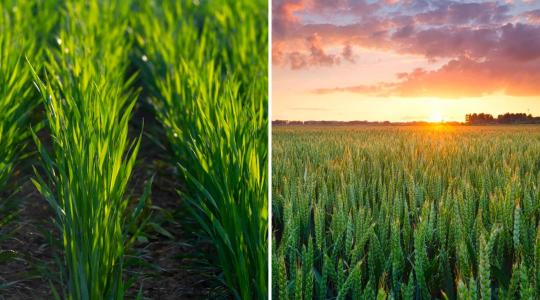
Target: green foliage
[(204, 68), (15, 102), (484, 270), (431, 212), (206, 64), (23, 26), (88, 105)]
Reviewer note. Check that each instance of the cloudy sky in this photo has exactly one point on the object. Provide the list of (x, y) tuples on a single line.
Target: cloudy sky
[(404, 60)]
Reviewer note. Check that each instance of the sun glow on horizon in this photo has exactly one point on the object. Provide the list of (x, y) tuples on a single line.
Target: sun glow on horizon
[(436, 117), (393, 60)]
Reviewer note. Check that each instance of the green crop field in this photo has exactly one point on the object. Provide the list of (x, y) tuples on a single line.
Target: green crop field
[(406, 212), (133, 149)]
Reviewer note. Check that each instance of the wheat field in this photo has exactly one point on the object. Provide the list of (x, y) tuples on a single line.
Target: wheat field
[(406, 212)]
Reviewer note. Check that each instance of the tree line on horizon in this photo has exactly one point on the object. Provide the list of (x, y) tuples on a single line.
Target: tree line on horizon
[(470, 119), (507, 118)]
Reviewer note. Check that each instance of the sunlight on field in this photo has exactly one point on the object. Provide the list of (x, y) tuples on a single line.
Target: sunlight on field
[(397, 211)]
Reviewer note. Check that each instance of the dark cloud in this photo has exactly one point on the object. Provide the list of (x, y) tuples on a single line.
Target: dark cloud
[(520, 42), (444, 42)]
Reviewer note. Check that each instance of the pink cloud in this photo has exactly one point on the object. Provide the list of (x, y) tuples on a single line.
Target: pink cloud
[(287, 10), (315, 56), (450, 29), (484, 44), (532, 16), (519, 42), (283, 15), (458, 78), (347, 53), (318, 55)]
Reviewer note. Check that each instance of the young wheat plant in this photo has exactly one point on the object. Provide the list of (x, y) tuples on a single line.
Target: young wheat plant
[(88, 103), (206, 65), (22, 27)]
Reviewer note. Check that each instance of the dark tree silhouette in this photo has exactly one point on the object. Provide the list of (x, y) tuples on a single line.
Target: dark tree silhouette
[(480, 118), (507, 118)]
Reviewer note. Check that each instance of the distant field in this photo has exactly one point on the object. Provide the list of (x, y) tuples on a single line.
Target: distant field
[(406, 212)]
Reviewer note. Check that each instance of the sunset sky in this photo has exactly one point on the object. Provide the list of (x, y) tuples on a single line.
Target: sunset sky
[(404, 60)]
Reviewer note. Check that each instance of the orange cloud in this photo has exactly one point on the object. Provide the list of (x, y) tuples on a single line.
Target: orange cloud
[(288, 9), (458, 78)]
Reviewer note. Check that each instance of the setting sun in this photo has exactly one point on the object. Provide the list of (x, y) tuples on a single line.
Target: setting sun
[(436, 117)]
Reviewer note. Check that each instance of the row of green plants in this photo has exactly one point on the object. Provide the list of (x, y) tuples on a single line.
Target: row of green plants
[(406, 213), (88, 104), (202, 65), (21, 32), (208, 60)]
